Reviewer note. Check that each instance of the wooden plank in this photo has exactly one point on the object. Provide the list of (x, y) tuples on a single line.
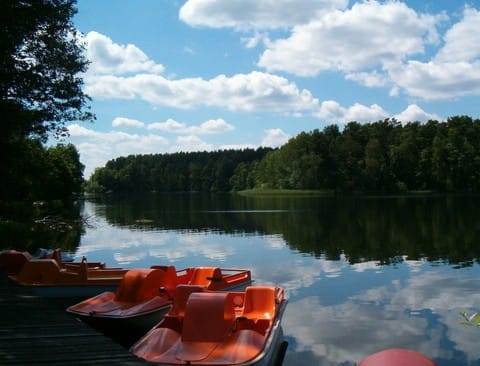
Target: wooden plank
[(37, 331)]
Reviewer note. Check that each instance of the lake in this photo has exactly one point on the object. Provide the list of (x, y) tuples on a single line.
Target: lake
[(361, 273)]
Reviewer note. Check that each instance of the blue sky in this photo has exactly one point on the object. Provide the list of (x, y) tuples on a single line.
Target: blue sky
[(203, 75)]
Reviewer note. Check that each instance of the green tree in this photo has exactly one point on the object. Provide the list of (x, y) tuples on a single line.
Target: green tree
[(374, 163), (63, 173), (41, 60), (404, 158)]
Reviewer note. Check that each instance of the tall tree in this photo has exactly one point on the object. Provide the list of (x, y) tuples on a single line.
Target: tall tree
[(41, 61)]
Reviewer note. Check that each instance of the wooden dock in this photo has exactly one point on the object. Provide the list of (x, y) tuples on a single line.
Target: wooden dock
[(38, 331)]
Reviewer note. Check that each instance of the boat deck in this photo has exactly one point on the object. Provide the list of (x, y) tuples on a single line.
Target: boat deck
[(37, 331)]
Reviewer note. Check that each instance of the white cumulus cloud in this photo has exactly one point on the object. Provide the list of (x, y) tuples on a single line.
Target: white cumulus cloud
[(255, 91), (370, 34), (332, 112), (127, 122), (108, 57), (212, 126), (275, 137), (190, 143), (462, 40), (414, 113), (254, 14)]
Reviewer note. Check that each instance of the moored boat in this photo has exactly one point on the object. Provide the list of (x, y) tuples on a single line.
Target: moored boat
[(47, 278), (144, 296), (218, 328), (12, 261)]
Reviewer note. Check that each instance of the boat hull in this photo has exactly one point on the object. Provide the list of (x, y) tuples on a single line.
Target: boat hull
[(274, 350), (125, 330), (77, 291)]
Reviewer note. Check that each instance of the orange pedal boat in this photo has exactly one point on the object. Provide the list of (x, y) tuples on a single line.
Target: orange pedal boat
[(218, 328), (12, 261), (144, 296), (48, 278)]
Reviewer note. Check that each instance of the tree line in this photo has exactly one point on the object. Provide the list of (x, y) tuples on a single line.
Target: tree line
[(383, 157), (178, 172)]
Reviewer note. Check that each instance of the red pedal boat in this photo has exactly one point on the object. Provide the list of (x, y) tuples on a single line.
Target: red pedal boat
[(397, 357), (145, 295), (218, 328)]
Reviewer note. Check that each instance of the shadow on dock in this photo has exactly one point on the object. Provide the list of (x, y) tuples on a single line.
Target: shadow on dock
[(37, 331)]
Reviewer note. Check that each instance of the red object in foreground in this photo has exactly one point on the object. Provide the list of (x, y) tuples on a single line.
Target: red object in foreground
[(397, 357)]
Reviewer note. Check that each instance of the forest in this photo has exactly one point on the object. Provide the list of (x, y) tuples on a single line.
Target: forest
[(382, 157)]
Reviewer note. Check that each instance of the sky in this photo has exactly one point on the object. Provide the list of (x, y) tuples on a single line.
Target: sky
[(204, 75)]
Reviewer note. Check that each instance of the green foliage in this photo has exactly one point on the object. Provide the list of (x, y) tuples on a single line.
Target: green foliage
[(218, 171), (470, 319), (383, 157), (64, 173), (45, 174), (41, 59)]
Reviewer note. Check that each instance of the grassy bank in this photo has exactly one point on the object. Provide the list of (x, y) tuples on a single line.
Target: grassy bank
[(285, 192)]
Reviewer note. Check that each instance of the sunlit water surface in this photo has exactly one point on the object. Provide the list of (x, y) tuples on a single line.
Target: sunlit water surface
[(338, 311)]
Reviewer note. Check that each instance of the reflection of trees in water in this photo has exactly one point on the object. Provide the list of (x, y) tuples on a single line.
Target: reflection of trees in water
[(362, 228), (50, 226), (435, 228)]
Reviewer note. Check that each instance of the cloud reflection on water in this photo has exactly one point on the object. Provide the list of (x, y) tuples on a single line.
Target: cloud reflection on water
[(338, 312), (421, 313)]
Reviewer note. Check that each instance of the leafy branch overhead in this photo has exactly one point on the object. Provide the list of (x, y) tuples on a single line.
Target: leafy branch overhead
[(42, 61)]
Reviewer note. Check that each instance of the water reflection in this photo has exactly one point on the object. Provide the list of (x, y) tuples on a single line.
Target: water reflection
[(383, 229), (361, 275), (47, 225), (414, 307)]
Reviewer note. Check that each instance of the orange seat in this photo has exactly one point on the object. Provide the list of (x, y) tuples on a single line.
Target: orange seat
[(139, 285), (259, 302), (182, 293), (38, 270), (209, 316), (204, 276)]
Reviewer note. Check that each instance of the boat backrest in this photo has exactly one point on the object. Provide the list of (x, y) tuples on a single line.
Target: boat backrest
[(142, 284), (12, 261), (204, 276), (182, 293), (39, 270), (209, 316), (259, 302)]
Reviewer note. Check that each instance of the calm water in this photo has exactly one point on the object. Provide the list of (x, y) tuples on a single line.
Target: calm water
[(361, 274)]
